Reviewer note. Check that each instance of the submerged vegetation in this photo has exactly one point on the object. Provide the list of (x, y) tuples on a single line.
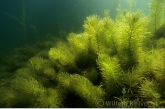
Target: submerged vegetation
[(113, 63)]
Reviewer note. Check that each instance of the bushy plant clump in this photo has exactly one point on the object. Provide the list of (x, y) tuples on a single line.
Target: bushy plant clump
[(109, 61)]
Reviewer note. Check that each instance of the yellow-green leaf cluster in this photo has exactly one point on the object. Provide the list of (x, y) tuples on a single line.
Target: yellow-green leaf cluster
[(110, 71), (38, 63), (8, 97), (50, 73), (149, 90), (29, 86), (99, 31), (131, 32), (62, 54), (49, 98), (154, 65), (94, 27), (82, 87), (78, 43)]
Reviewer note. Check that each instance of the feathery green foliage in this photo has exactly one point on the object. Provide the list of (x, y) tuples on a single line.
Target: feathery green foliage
[(124, 102), (50, 73), (82, 87), (62, 54), (7, 97), (50, 98), (38, 64), (150, 91), (111, 59), (100, 32), (111, 72), (78, 43), (110, 35), (28, 90), (132, 30), (94, 27), (28, 86), (64, 80), (131, 81), (153, 64), (24, 73), (85, 89)]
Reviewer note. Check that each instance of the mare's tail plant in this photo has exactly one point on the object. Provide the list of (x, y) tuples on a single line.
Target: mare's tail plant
[(131, 32), (111, 73)]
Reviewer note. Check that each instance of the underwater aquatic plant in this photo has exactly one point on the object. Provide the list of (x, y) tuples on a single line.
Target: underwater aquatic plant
[(94, 27), (50, 98), (131, 81), (8, 97), (152, 65), (149, 90), (38, 64), (82, 87), (100, 32), (29, 86), (109, 56), (50, 73), (131, 32), (28, 89), (124, 102), (111, 73), (79, 43), (62, 54)]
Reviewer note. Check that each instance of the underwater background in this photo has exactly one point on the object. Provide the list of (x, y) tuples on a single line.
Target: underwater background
[(43, 17), (82, 53)]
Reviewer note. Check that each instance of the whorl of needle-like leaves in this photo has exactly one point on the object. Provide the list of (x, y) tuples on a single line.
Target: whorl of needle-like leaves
[(24, 73), (50, 73), (94, 28), (38, 64), (100, 32), (28, 86), (109, 42), (49, 98), (27, 90), (153, 65), (111, 72), (64, 80), (82, 87), (78, 43), (62, 54), (131, 32), (131, 80), (149, 90)]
